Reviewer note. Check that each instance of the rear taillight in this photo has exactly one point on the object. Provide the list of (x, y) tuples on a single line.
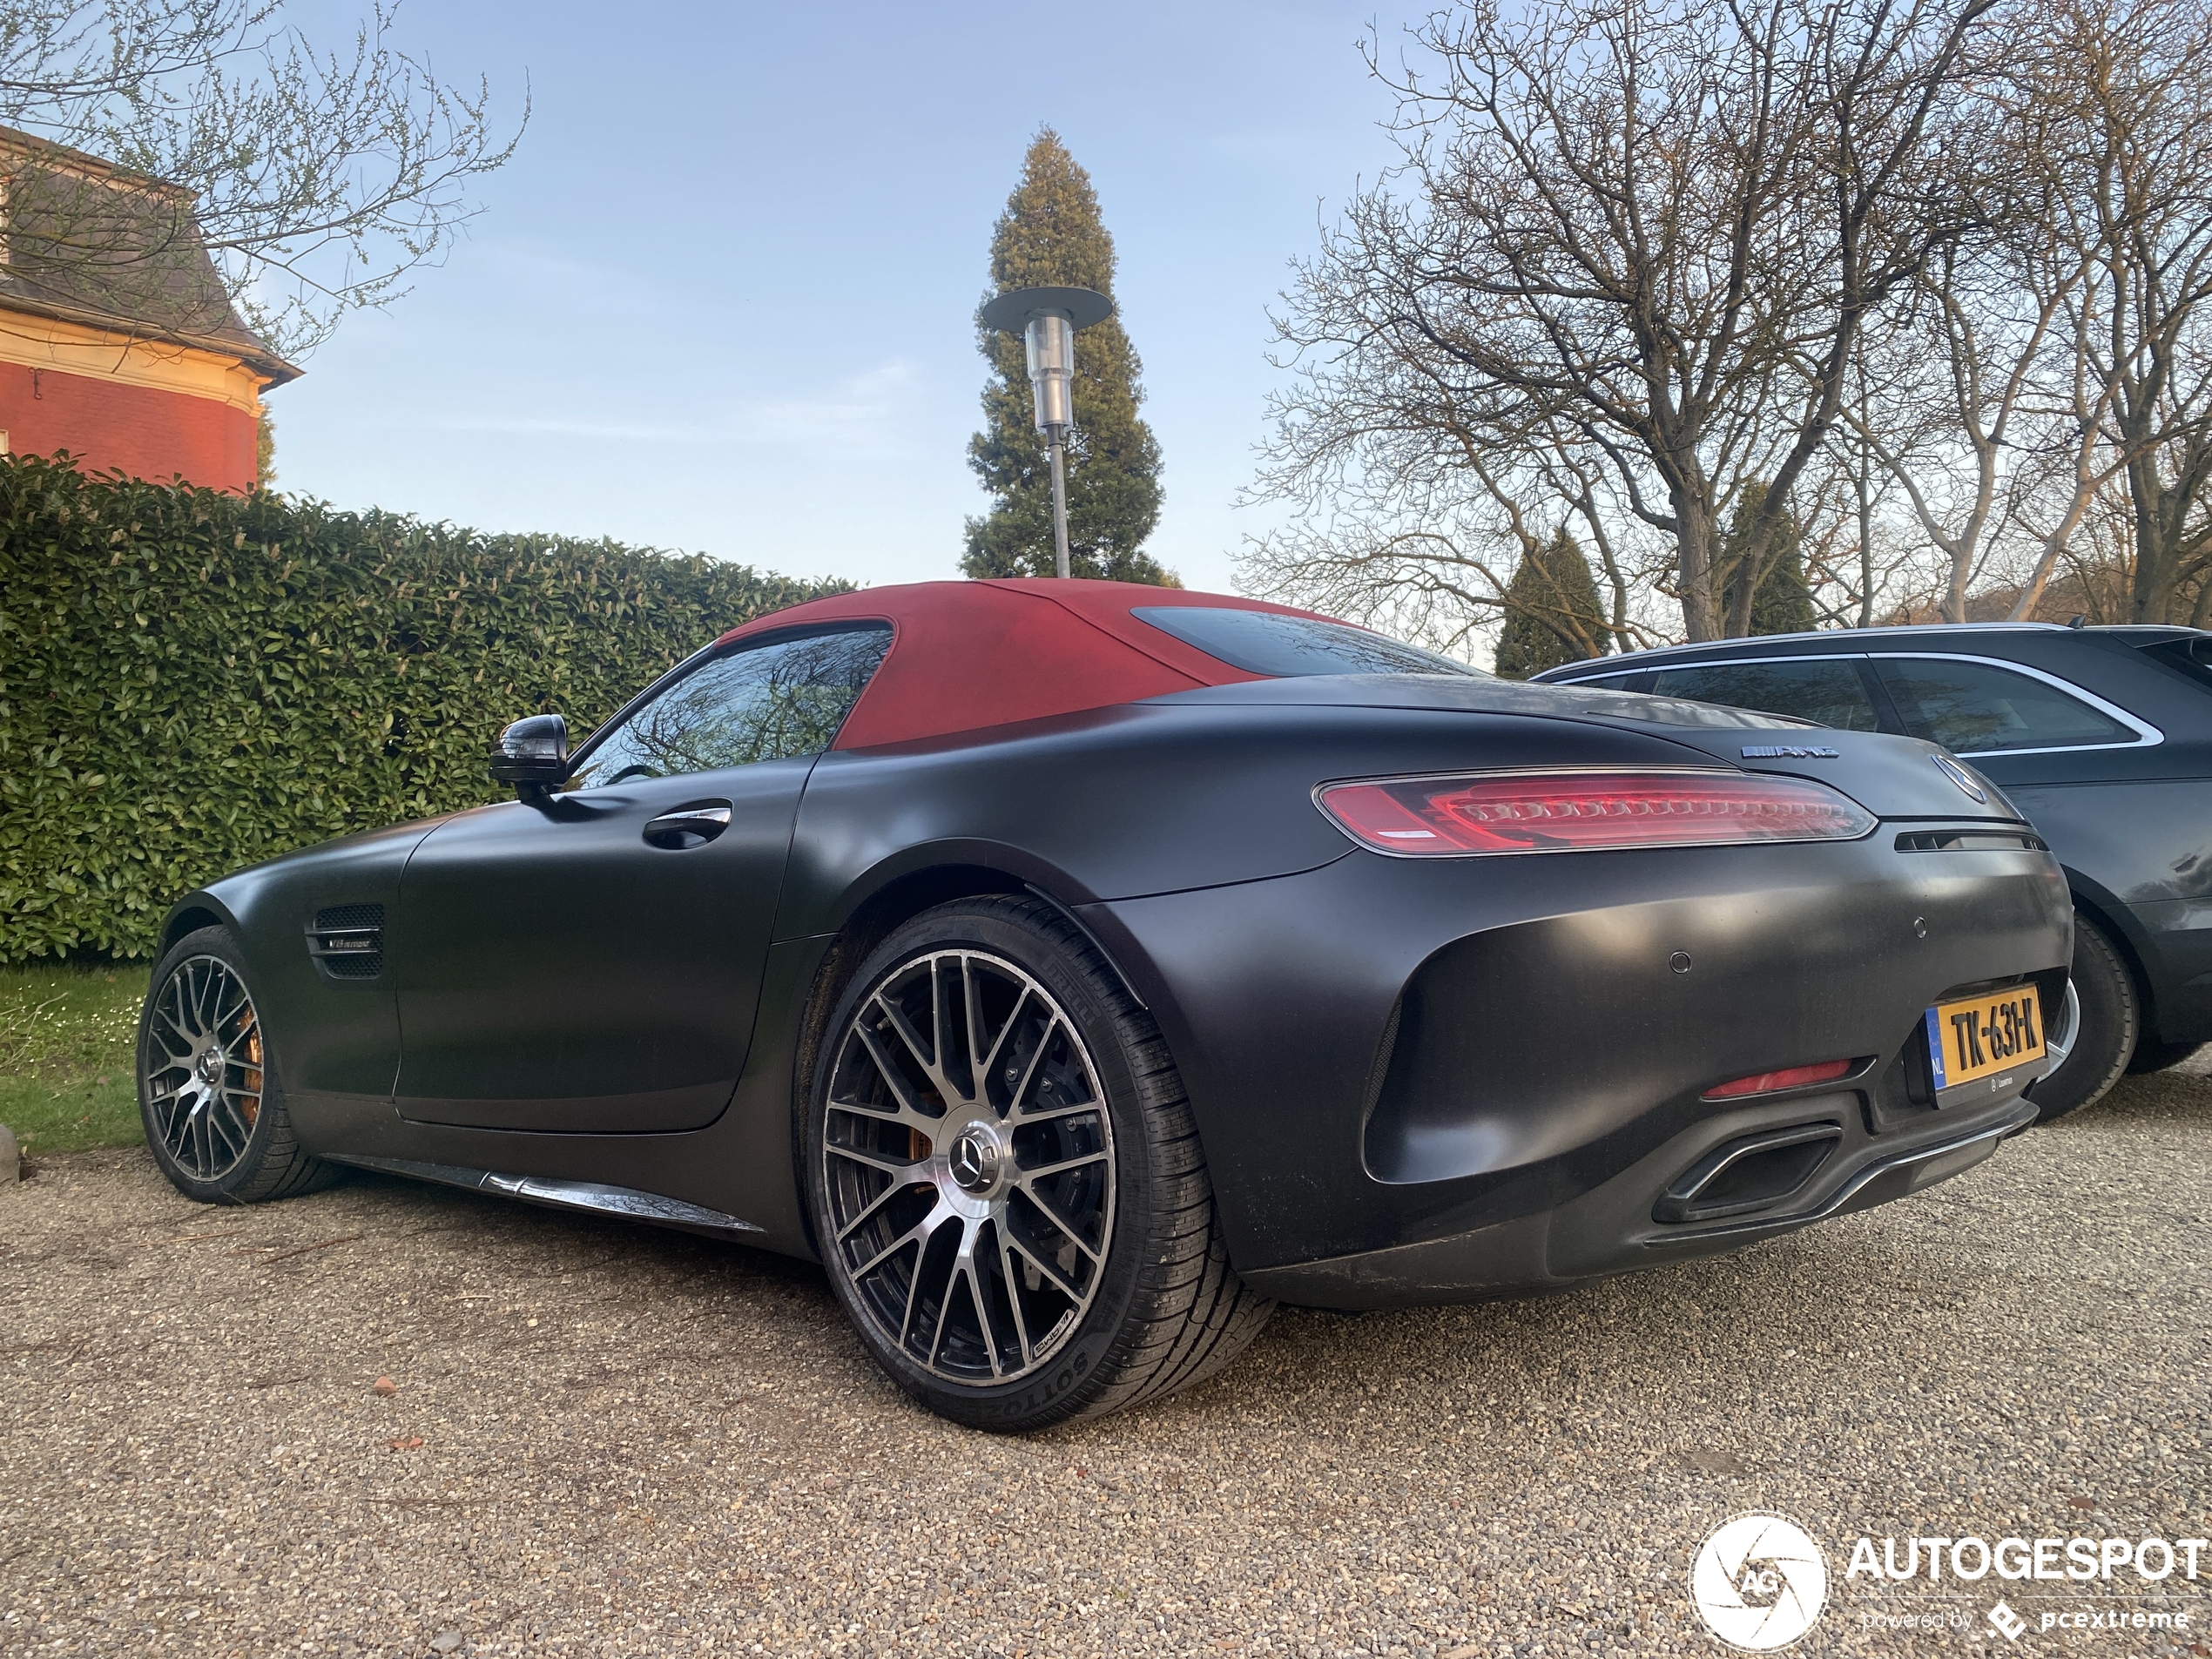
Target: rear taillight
[(1583, 811)]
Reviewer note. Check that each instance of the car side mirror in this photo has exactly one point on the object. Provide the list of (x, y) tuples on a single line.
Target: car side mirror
[(532, 754)]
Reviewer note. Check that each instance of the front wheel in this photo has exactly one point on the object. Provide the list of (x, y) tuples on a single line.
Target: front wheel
[(2097, 1031), (1005, 1179), (208, 1094)]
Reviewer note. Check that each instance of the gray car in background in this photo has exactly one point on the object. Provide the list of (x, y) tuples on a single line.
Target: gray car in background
[(2102, 737)]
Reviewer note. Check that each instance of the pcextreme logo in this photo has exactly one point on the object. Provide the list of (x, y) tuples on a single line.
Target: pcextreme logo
[(1759, 1582)]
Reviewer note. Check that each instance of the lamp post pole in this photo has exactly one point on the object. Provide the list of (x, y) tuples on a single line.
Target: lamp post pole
[(1055, 446), (1047, 320)]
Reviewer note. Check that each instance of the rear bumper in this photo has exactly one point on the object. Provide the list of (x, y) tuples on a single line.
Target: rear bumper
[(1611, 1229), (1440, 1079)]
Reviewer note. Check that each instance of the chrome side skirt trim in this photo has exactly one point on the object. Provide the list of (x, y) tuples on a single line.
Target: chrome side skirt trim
[(626, 1202)]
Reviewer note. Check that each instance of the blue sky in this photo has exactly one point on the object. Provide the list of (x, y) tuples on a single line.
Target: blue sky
[(721, 300)]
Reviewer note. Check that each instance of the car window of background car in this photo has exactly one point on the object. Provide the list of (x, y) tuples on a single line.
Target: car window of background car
[(1825, 690), (1977, 708), (1260, 642), (2190, 658), (769, 702), (1603, 682)]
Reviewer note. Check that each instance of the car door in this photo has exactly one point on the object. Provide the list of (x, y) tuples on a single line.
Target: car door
[(591, 962)]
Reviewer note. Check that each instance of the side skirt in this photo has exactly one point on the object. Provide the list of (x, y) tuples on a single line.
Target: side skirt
[(625, 1201)]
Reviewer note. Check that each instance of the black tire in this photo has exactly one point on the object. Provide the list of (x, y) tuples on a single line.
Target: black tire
[(224, 1135), (2158, 1057), (2105, 1032), (1164, 1308)]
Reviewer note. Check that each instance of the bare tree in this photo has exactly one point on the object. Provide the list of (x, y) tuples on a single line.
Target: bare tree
[(1421, 524), (175, 131), (2120, 88), (1639, 235), (1989, 415), (2073, 339)]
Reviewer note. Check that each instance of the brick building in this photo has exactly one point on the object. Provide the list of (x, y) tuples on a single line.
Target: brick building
[(118, 342)]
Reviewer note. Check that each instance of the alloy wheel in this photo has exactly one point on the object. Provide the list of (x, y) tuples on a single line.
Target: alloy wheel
[(2058, 1040), (968, 1167), (202, 1061)]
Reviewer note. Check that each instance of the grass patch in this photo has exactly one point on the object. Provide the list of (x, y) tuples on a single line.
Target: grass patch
[(66, 1036)]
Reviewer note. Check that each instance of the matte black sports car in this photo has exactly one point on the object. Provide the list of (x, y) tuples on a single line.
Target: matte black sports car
[(2102, 737), (1075, 970)]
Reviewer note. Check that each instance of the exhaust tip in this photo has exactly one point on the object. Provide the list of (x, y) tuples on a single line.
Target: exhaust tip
[(1754, 1172)]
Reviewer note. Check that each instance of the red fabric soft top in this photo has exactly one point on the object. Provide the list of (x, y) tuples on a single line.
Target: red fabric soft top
[(966, 655)]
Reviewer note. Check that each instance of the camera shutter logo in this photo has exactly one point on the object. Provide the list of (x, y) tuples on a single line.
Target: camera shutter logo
[(1759, 1582)]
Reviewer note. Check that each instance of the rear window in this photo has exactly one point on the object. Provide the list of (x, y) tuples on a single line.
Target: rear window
[(1978, 708), (1826, 690), (2191, 657), (1260, 642)]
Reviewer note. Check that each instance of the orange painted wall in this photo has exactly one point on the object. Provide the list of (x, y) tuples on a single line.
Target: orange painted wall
[(105, 424)]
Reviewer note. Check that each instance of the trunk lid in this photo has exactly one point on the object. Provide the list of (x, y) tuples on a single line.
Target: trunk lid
[(1895, 778)]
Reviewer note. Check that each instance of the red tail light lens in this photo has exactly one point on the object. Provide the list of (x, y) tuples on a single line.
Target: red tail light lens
[(1766, 1082), (1583, 811)]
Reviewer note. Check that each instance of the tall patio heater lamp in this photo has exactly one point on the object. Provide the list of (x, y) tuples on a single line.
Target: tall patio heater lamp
[(1047, 320)]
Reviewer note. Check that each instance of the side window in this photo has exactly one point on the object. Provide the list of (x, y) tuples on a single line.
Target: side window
[(768, 702), (1602, 682), (1825, 690), (1973, 708)]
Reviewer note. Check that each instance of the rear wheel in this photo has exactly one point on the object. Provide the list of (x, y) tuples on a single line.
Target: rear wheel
[(2157, 1057), (208, 1094), (1006, 1183), (2102, 1020)]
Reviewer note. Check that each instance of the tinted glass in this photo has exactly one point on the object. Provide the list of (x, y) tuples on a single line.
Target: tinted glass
[(1830, 692), (2189, 657), (1602, 682), (768, 703), (1975, 709), (1260, 642)]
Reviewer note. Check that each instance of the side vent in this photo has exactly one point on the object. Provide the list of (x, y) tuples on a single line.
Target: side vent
[(348, 940), (1970, 840)]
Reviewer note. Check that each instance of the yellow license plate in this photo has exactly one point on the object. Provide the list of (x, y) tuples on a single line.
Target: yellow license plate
[(1976, 1036)]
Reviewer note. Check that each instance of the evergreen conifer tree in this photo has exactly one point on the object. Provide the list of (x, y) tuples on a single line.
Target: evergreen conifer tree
[(1784, 602), (1553, 614), (1050, 234)]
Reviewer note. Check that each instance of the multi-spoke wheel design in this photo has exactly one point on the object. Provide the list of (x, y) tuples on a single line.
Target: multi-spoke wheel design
[(1004, 1176), (2059, 1035), (968, 1163), (201, 1063)]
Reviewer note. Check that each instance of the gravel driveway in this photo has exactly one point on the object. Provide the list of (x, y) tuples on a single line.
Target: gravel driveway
[(607, 1440)]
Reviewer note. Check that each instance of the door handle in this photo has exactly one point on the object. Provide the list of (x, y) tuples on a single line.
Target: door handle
[(688, 826)]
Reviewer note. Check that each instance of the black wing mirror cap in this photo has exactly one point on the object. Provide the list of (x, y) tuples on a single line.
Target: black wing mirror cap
[(532, 754)]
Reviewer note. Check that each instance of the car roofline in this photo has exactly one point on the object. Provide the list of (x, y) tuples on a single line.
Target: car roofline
[(1921, 630)]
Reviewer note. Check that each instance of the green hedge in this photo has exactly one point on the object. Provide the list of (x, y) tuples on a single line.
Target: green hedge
[(190, 681)]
